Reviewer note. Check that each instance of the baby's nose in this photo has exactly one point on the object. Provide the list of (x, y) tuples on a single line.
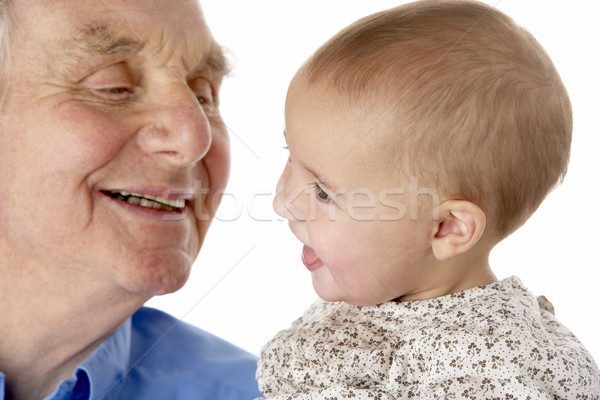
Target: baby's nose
[(286, 202)]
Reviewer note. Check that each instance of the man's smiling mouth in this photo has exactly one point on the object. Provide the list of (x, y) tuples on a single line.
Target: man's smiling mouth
[(148, 201)]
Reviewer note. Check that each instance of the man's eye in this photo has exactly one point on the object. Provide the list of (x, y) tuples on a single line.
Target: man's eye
[(114, 83), (117, 90), (119, 93), (203, 100), (204, 92)]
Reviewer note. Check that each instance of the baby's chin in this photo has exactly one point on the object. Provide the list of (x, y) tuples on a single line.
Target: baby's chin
[(333, 294)]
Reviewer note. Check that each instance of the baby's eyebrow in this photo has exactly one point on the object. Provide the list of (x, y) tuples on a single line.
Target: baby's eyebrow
[(285, 137), (319, 177), (310, 170)]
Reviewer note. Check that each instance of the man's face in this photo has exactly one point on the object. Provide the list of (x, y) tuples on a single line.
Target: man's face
[(110, 104)]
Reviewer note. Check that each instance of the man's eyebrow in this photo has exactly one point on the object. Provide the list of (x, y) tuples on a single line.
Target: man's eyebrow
[(215, 62), (100, 39)]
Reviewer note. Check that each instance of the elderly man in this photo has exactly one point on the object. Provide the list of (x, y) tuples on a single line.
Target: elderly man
[(111, 145)]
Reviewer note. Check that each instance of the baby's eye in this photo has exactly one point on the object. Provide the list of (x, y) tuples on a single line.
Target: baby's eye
[(321, 194)]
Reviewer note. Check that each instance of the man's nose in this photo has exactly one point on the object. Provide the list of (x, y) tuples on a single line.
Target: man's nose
[(177, 130)]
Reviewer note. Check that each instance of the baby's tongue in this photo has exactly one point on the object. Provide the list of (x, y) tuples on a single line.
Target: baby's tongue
[(309, 257)]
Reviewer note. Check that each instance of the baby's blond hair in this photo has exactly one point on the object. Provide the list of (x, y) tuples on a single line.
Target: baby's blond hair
[(481, 112)]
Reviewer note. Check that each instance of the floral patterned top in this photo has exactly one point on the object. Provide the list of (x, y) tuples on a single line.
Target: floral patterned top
[(488, 342)]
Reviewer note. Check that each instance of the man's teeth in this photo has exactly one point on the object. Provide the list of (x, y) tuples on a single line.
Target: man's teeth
[(149, 201)]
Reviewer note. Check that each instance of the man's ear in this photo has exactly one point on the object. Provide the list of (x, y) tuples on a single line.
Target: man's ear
[(460, 225)]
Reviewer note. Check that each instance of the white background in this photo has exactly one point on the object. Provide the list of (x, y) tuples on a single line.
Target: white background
[(249, 282)]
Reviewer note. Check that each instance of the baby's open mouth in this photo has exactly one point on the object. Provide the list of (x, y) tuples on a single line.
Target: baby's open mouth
[(148, 200)]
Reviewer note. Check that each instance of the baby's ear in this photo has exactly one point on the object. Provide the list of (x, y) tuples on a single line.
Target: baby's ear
[(460, 225)]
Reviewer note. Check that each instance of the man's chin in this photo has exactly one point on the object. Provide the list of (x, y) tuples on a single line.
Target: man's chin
[(161, 276)]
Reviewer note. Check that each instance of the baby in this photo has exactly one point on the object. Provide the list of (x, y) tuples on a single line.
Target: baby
[(419, 138)]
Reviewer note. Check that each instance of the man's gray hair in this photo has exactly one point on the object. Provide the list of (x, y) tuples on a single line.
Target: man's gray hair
[(5, 27)]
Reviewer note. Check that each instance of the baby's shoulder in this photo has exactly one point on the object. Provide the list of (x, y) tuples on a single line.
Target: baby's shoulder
[(500, 339)]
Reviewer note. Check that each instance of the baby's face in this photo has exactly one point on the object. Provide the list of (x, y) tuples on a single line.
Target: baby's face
[(365, 239)]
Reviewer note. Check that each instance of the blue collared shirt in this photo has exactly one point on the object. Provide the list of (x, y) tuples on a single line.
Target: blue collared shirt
[(154, 356)]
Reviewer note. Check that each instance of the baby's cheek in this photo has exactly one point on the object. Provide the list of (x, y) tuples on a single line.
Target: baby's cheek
[(341, 259), (329, 243)]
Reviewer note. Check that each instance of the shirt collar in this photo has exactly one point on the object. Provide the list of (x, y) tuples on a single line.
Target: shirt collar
[(102, 370), (108, 363)]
